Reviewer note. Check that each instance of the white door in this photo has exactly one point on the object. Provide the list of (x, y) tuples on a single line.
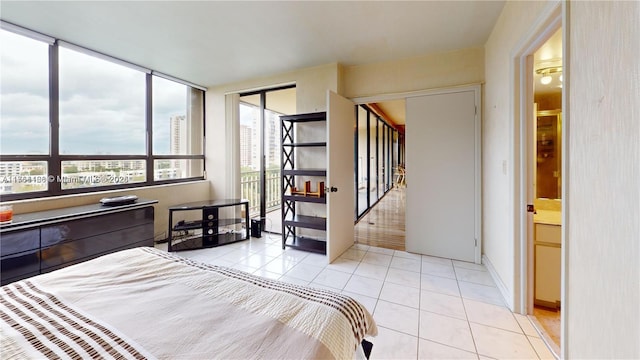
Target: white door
[(443, 175), (341, 121)]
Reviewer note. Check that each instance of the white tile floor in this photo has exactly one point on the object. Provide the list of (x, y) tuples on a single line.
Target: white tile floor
[(425, 307)]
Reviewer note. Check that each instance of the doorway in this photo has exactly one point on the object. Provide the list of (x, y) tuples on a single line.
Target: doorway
[(539, 187), (379, 189), (546, 183), (260, 149)]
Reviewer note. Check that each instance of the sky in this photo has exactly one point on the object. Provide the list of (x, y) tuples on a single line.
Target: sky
[(101, 105)]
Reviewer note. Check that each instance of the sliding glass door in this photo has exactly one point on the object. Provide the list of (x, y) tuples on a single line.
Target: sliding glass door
[(260, 150)]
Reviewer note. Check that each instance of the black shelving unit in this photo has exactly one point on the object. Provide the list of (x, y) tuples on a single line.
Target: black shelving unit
[(291, 219)]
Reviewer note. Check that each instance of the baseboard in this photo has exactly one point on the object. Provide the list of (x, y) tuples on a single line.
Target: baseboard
[(506, 294)]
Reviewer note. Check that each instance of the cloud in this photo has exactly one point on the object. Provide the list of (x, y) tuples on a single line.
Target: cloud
[(102, 104)]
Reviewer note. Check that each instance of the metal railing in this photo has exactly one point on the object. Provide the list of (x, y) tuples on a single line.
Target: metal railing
[(250, 187)]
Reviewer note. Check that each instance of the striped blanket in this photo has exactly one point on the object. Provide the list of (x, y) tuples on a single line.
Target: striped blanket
[(148, 304)]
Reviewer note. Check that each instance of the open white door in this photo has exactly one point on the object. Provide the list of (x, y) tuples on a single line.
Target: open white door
[(443, 174), (341, 121)]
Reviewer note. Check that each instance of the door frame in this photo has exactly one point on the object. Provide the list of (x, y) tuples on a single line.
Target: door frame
[(521, 156), (477, 89)]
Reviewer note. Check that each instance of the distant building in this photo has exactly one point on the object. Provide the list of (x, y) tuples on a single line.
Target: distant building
[(179, 137), (246, 145), (8, 168)]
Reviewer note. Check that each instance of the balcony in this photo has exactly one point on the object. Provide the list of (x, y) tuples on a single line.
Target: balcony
[(250, 190)]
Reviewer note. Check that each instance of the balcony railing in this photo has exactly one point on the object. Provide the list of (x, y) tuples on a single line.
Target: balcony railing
[(250, 187)]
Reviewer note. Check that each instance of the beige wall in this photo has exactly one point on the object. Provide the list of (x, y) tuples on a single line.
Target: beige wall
[(603, 211), (167, 195), (513, 25), (420, 73)]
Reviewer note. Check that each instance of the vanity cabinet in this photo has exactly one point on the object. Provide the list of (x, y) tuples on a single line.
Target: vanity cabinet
[(548, 264)]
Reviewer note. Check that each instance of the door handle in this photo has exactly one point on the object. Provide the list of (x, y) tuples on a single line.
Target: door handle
[(331, 189)]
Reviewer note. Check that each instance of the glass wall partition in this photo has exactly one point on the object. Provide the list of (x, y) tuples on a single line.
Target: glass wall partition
[(376, 150), (362, 156), (382, 168)]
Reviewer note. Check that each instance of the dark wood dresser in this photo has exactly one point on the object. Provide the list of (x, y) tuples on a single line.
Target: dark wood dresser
[(40, 242)]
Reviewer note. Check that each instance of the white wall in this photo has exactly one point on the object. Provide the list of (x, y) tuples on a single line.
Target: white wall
[(514, 23), (431, 71), (603, 211)]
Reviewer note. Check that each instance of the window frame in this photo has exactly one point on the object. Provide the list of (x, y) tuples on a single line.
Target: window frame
[(54, 159)]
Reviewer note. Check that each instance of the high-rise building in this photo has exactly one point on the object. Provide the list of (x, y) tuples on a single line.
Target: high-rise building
[(246, 145), (178, 135)]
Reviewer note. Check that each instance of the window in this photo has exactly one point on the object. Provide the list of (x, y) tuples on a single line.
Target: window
[(24, 111), (83, 125), (177, 130), (102, 106)]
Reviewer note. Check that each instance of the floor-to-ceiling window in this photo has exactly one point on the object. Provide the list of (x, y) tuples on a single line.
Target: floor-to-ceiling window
[(260, 151)]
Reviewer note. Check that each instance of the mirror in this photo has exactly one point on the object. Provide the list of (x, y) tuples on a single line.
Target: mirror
[(549, 154)]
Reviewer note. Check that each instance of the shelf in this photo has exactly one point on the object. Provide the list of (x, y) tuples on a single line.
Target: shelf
[(232, 221), (309, 199), (318, 116), (196, 241), (209, 230), (308, 244), (191, 225), (305, 172), (309, 222), (309, 144)]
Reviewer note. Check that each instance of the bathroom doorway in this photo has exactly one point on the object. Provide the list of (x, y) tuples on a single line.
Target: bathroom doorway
[(544, 187)]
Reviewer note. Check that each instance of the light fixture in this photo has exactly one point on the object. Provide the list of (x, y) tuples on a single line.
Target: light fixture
[(546, 73)]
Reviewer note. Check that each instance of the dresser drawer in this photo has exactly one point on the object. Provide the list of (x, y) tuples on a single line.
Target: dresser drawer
[(13, 242), (83, 228), (87, 248), (20, 265)]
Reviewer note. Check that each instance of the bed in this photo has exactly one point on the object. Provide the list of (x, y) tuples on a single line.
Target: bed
[(146, 303)]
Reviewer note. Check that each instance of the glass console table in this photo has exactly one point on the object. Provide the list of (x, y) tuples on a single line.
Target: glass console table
[(208, 223)]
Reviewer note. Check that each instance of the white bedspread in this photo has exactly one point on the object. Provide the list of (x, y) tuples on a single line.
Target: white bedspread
[(146, 303)]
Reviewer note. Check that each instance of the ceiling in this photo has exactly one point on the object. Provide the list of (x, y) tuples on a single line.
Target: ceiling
[(549, 55), (213, 42)]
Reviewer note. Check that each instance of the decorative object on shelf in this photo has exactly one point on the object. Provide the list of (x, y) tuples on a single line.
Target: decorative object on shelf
[(118, 200), (6, 214), (307, 190)]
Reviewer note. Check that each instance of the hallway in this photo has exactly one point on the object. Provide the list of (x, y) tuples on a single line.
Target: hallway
[(384, 225)]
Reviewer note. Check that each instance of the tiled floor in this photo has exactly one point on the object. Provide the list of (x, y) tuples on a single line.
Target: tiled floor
[(425, 307)]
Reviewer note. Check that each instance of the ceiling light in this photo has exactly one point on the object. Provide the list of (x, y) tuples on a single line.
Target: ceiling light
[(546, 73), (560, 77)]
